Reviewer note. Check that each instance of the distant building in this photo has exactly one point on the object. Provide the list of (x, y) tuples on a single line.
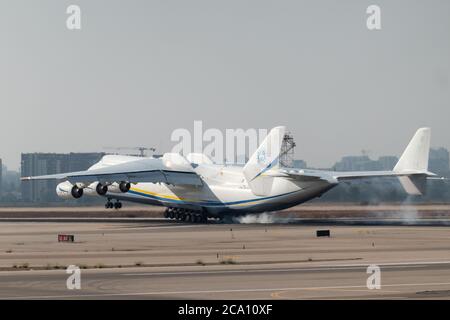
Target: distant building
[(356, 163), (34, 164), (301, 164), (387, 162), (439, 161), (364, 163), (1, 179), (10, 181)]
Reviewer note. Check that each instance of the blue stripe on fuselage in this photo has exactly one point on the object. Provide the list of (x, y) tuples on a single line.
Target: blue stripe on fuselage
[(207, 202)]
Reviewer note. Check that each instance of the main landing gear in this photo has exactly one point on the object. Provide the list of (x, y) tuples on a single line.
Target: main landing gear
[(116, 205), (185, 215)]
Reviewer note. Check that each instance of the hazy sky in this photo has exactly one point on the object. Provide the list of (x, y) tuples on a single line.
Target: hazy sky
[(139, 69)]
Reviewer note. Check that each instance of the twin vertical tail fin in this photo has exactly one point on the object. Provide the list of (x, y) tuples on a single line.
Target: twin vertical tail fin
[(412, 166), (265, 158), (415, 156)]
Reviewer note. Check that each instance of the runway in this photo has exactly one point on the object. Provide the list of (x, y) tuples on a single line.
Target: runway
[(399, 281), (292, 221), (156, 259)]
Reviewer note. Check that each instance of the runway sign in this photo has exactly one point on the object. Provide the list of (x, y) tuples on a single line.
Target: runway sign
[(323, 233), (66, 238)]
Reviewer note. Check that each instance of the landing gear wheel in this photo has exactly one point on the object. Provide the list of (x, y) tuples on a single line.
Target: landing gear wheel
[(188, 218), (109, 204), (117, 205)]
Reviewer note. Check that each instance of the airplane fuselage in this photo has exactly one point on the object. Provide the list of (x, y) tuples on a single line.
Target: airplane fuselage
[(224, 191)]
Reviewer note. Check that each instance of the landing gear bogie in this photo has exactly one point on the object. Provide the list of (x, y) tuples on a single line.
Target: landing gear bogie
[(110, 205), (185, 215)]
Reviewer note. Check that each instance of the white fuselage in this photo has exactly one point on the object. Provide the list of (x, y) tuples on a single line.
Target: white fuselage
[(224, 190)]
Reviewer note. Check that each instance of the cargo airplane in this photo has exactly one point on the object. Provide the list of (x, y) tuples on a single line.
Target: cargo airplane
[(193, 188)]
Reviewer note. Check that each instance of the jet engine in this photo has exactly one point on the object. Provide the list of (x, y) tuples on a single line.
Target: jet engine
[(96, 188), (101, 189), (124, 186), (118, 187), (66, 190)]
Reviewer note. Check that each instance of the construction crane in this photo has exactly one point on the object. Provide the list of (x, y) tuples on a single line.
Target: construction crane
[(287, 151), (365, 152), (140, 149)]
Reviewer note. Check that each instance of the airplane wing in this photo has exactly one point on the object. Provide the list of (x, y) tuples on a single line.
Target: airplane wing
[(171, 169)]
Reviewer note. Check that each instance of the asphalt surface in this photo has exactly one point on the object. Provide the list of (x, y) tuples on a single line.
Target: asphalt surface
[(156, 259), (345, 221), (398, 281)]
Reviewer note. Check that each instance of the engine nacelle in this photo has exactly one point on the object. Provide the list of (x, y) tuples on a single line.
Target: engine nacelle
[(95, 189), (119, 187), (66, 190), (124, 186), (101, 189)]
